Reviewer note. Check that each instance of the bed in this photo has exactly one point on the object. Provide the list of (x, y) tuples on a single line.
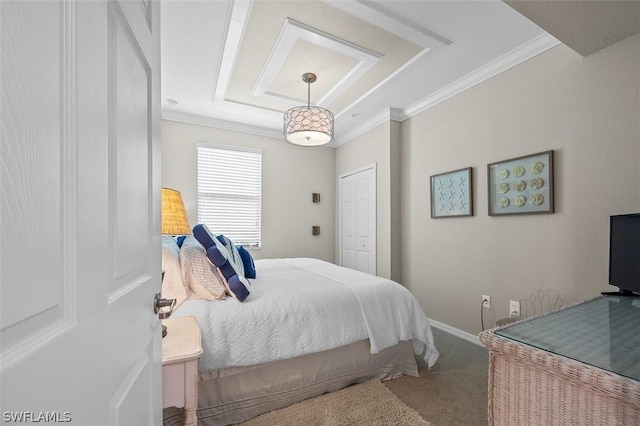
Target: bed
[(306, 327)]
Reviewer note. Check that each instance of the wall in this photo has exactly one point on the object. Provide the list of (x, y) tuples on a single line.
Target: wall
[(381, 146), (290, 174), (585, 109)]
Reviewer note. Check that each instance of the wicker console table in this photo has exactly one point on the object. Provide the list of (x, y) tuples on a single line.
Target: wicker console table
[(576, 366)]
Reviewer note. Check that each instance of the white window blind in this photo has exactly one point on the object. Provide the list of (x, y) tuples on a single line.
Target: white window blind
[(229, 188)]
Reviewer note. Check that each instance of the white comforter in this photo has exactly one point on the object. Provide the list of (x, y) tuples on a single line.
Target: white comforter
[(300, 306)]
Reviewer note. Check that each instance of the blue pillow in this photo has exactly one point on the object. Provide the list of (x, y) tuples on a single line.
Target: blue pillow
[(247, 262), (218, 256)]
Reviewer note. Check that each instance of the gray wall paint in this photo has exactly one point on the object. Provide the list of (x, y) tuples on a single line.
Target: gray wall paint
[(290, 174), (375, 146), (585, 109)]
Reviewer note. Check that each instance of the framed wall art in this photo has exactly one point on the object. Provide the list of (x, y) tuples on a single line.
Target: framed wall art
[(451, 194), (522, 185)]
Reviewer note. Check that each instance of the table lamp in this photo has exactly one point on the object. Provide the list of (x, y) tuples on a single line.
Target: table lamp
[(174, 222), (174, 215)]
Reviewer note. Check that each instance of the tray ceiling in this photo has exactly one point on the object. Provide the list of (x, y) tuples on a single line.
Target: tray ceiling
[(238, 65)]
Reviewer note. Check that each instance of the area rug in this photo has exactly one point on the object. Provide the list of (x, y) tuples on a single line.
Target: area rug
[(369, 403)]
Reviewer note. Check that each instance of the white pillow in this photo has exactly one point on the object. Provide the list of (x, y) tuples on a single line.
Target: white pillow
[(172, 283)]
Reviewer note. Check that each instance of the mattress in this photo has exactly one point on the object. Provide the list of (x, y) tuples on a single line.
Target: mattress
[(301, 306)]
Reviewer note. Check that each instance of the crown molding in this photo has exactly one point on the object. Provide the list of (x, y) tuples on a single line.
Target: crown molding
[(381, 118), (493, 68), (503, 63), (232, 126)]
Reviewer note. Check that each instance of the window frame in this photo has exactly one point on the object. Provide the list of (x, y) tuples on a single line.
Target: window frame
[(201, 199)]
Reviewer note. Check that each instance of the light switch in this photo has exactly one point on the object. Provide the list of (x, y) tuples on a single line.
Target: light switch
[(316, 197), (315, 230)]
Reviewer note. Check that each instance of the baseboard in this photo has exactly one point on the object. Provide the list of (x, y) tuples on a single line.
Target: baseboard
[(456, 332)]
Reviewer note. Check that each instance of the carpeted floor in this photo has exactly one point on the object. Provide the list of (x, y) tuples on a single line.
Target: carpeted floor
[(365, 404), (454, 392)]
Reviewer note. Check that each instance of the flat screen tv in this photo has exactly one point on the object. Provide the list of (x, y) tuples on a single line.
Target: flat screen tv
[(624, 253)]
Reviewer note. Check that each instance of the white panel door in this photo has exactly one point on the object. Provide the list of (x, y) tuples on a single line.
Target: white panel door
[(80, 212), (358, 220), (348, 221)]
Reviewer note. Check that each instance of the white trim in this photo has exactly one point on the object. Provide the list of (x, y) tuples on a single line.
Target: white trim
[(70, 159), (231, 126), (383, 18), (374, 167), (358, 170), (384, 81), (381, 118), (514, 57), (207, 144), (456, 332), (291, 32), (236, 20), (501, 64), (520, 54)]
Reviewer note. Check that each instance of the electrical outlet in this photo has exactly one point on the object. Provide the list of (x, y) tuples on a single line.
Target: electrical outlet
[(486, 301), (514, 308)]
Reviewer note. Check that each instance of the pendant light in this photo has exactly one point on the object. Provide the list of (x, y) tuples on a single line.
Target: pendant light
[(308, 125)]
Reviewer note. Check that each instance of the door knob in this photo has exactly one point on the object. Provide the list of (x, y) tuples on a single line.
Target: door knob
[(160, 303)]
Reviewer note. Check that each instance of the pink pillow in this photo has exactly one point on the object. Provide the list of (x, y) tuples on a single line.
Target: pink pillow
[(201, 278), (172, 283)]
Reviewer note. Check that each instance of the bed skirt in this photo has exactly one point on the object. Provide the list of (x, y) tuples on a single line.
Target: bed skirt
[(233, 395)]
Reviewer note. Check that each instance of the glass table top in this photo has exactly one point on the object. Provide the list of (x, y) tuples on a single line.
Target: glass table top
[(603, 332)]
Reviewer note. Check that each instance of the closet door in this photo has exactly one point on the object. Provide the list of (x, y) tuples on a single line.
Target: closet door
[(358, 219)]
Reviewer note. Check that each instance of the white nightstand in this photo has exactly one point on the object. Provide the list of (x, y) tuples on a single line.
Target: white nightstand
[(181, 349)]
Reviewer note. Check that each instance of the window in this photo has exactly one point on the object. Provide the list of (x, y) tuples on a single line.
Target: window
[(229, 188)]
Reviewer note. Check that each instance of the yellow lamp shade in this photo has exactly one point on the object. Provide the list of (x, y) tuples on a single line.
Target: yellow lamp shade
[(174, 215)]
